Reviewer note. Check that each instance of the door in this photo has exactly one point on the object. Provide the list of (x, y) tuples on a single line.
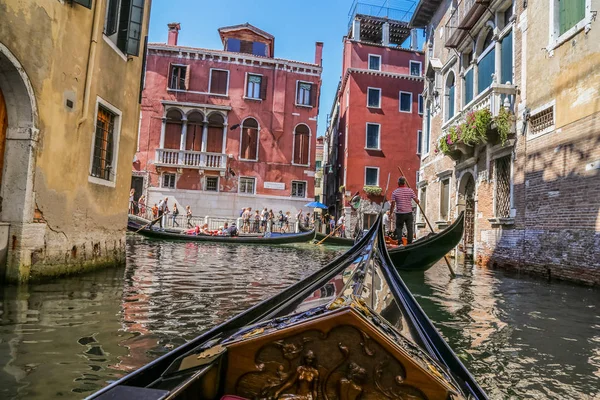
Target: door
[(137, 183), (214, 142), (469, 237)]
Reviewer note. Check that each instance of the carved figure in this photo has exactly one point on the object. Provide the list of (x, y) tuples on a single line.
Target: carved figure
[(350, 387), (306, 380)]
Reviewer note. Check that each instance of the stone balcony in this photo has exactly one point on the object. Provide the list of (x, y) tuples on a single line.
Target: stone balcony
[(493, 98), (190, 159)]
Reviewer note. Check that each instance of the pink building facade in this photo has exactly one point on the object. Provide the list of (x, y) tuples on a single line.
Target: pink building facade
[(225, 129)]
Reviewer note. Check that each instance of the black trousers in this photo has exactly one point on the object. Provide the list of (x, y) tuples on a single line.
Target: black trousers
[(402, 219)]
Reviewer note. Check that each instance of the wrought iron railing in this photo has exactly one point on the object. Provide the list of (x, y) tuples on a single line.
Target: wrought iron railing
[(190, 159), (503, 187)]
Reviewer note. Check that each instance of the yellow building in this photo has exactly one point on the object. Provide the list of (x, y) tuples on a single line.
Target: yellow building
[(69, 112)]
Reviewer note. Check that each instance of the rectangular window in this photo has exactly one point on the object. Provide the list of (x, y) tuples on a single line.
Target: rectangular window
[(318, 165), (259, 49), (247, 185), (373, 97), (233, 45), (304, 95), (298, 189), (502, 169), (168, 181), (419, 142), (428, 130), (371, 176), (253, 86), (103, 156), (373, 136), (212, 184), (542, 121), (506, 75), (178, 79), (374, 62), (405, 102), (444, 199), (486, 68), (570, 12), (468, 86), (317, 182), (218, 81), (415, 68), (423, 202), (123, 24), (420, 100)]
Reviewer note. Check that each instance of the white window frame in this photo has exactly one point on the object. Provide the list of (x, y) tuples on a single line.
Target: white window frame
[(449, 179), (419, 143), (171, 75), (205, 185), (246, 86), (257, 140), (365, 178), (410, 63), (379, 102), (305, 189), (116, 139), (555, 40), (210, 82), (420, 104), (369, 62), (309, 144), (400, 102), (378, 136), (240, 185), (162, 177), (312, 87)]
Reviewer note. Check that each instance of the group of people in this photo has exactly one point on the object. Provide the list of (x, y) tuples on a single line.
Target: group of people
[(265, 220), (225, 230)]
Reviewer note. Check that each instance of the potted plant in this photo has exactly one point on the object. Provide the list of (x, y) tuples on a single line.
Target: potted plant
[(504, 123), (372, 190)]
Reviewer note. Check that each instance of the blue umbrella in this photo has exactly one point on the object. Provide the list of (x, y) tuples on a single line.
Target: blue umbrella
[(316, 204)]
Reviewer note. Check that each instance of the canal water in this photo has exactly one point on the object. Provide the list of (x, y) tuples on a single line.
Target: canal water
[(521, 337)]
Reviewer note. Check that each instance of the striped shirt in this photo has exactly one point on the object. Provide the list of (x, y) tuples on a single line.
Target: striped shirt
[(402, 197)]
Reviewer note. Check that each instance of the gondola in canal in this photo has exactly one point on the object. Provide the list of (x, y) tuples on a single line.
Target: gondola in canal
[(350, 330)]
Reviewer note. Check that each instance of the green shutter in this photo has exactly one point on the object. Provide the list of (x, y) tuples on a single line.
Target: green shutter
[(507, 59), (485, 70), (570, 12), (451, 102), (469, 86), (134, 31)]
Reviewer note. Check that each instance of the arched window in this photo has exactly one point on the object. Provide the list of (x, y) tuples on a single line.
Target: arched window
[(301, 144), (173, 129), (249, 140), (450, 89), (194, 131), (214, 141)]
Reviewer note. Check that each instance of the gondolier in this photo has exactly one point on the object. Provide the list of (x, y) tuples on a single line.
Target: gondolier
[(401, 203)]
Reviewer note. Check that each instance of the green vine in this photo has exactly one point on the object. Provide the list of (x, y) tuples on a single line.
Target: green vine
[(504, 121), (373, 190)]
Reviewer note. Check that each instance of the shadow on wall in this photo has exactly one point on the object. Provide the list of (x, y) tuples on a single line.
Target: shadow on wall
[(556, 232)]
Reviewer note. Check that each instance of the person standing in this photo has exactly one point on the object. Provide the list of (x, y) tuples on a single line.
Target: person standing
[(402, 203), (159, 218), (342, 228), (142, 206), (175, 215), (188, 213), (132, 201), (386, 223)]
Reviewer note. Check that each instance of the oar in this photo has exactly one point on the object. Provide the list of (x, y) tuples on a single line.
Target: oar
[(149, 223), (452, 274), (324, 239)]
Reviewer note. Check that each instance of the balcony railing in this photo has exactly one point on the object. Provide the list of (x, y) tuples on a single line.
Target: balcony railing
[(462, 19), (492, 98), (190, 159)]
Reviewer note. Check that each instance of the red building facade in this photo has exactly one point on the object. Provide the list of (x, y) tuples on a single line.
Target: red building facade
[(225, 129), (378, 115)]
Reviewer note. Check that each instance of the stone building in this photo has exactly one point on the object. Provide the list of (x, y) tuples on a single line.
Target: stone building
[(69, 114), (512, 130), (320, 160), (224, 129), (377, 114)]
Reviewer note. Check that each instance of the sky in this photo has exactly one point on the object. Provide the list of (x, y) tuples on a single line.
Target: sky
[(296, 25)]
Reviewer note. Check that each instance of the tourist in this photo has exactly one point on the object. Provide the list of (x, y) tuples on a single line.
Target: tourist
[(271, 219), (132, 201), (224, 229), (386, 223), (142, 206), (188, 214), (402, 205), (331, 224), (154, 211), (263, 219), (175, 215), (232, 230), (299, 216), (280, 219), (307, 220), (256, 227), (246, 215), (341, 226), (286, 222)]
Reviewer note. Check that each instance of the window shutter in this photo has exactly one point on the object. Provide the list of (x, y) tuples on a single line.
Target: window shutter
[(263, 87), (507, 61), (297, 149), (252, 142), (187, 77), (134, 29), (170, 77), (246, 47), (111, 18), (244, 145), (313, 95), (85, 3)]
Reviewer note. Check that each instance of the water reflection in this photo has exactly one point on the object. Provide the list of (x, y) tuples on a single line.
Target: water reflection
[(520, 337)]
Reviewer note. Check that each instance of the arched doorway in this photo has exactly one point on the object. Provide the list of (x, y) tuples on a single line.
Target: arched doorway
[(466, 192)]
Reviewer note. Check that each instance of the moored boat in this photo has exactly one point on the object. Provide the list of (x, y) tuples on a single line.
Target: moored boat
[(350, 330), (423, 253)]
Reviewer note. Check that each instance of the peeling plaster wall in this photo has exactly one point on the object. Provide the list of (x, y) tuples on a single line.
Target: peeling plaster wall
[(67, 223)]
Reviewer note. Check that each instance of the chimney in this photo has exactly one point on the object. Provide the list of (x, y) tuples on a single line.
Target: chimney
[(174, 28), (319, 53)]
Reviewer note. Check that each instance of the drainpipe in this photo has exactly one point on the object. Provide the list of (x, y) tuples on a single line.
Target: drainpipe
[(89, 73)]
